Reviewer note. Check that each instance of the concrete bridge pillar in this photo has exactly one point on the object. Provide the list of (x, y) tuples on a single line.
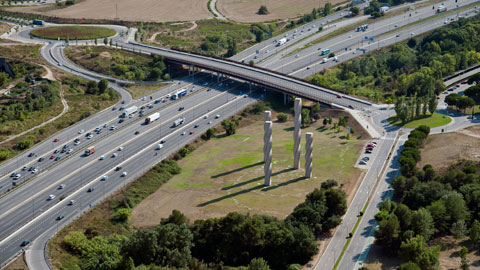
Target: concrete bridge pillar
[(297, 133), (308, 154), (268, 152), (267, 116), (284, 99)]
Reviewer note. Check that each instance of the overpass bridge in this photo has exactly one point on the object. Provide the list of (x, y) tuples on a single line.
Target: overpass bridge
[(284, 83)]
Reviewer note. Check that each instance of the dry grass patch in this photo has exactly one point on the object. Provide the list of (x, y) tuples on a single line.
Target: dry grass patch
[(4, 27), (246, 10), (226, 174), (141, 90), (139, 10), (442, 150)]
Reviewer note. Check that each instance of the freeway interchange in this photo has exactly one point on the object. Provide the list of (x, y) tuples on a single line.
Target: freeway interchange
[(26, 211)]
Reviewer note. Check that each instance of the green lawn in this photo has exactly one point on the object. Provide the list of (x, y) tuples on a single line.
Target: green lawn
[(435, 120), (73, 32)]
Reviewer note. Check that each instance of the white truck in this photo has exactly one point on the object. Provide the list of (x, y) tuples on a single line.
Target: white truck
[(441, 8), (128, 111), (178, 122), (281, 42), (152, 117)]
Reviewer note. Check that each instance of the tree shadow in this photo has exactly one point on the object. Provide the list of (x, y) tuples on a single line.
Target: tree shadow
[(237, 170), (255, 179), (289, 129)]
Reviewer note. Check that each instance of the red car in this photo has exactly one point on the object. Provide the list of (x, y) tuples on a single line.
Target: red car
[(56, 140), (338, 96), (52, 157), (192, 132)]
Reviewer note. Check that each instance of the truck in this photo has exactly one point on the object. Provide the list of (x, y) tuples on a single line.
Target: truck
[(325, 51), (441, 8), (281, 42), (128, 111), (179, 94), (178, 122), (37, 22), (90, 151), (151, 118)]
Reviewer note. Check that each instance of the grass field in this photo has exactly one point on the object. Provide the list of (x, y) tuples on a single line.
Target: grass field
[(246, 10), (73, 32), (435, 120), (211, 187), (138, 10), (140, 90)]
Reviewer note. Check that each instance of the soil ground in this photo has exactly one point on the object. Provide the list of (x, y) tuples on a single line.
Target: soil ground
[(138, 10), (246, 10), (4, 27), (17, 264), (441, 150), (211, 187)]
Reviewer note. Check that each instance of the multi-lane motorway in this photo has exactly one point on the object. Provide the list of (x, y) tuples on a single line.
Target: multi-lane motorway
[(78, 173)]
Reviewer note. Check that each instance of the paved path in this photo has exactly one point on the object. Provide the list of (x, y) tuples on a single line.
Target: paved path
[(213, 9)]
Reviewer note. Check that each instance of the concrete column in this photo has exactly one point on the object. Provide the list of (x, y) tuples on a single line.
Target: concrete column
[(284, 99), (297, 134), (267, 116), (308, 154), (268, 152)]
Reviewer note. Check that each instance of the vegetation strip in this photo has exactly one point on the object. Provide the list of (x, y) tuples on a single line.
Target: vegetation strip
[(73, 32)]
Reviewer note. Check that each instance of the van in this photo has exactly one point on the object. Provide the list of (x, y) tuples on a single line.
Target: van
[(325, 60)]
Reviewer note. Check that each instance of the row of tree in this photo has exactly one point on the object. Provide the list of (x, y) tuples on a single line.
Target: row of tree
[(430, 205), (408, 109), (233, 240)]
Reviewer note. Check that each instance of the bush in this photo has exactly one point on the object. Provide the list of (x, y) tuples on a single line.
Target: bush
[(122, 214), (282, 117), (263, 10), (26, 142)]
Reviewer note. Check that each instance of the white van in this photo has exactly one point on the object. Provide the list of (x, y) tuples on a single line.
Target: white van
[(324, 60)]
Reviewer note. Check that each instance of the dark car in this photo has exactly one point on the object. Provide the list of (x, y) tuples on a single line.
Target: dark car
[(123, 102), (181, 108), (120, 121), (163, 141), (41, 159), (137, 132), (56, 151), (31, 154), (118, 168), (90, 189), (60, 217), (24, 243)]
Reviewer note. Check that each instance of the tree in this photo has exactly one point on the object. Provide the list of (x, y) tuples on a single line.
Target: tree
[(459, 229), (412, 248), (262, 10), (402, 110), (463, 255), (325, 121), (232, 47), (316, 108), (475, 232), (306, 120), (422, 223), (355, 11), (327, 9), (102, 85), (258, 264), (474, 79), (282, 117), (388, 231), (409, 266), (229, 126), (209, 134)]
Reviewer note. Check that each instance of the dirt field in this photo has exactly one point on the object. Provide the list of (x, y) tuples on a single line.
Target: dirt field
[(17, 264), (4, 27), (442, 150), (138, 10), (246, 10), (212, 187)]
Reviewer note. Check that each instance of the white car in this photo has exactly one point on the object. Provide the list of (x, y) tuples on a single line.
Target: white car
[(114, 155), (62, 186), (120, 148), (51, 197), (159, 146), (71, 202), (217, 116), (209, 122), (76, 143), (183, 133), (112, 128), (105, 177), (34, 170), (124, 174), (205, 117), (69, 151), (81, 131), (131, 115), (89, 136), (102, 157)]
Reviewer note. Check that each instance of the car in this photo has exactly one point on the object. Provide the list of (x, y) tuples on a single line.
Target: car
[(217, 116), (124, 174), (118, 168), (469, 116), (13, 174), (446, 92), (24, 168), (183, 133), (69, 151), (196, 126), (159, 146), (31, 154), (366, 159), (137, 132), (114, 108), (102, 158), (41, 159), (209, 122), (338, 96), (396, 25), (114, 155), (62, 186), (52, 157), (51, 197), (65, 146), (77, 142), (368, 151), (91, 189), (62, 151), (181, 108), (112, 128), (192, 132), (105, 177), (120, 121), (31, 168), (17, 176), (81, 131), (297, 55), (362, 162), (24, 243), (412, 33), (131, 115), (57, 158), (120, 148), (89, 136), (71, 202), (56, 140), (104, 125)]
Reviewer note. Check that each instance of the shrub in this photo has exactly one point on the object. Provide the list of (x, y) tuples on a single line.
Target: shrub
[(263, 10), (282, 117), (122, 214)]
